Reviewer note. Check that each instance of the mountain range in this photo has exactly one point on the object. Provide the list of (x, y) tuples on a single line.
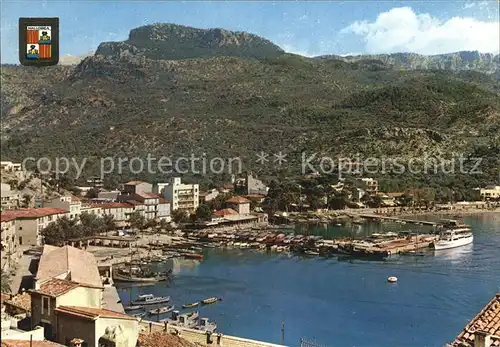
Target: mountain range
[(173, 90)]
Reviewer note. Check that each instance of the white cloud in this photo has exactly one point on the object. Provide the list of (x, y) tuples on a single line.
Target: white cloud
[(68, 59), (403, 30), (292, 49)]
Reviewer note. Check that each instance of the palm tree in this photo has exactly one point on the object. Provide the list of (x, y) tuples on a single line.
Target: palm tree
[(5, 282)]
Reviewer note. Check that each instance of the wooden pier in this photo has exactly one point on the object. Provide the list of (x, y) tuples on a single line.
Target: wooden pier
[(395, 219)]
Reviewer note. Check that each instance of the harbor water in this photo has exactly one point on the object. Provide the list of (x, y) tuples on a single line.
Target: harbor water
[(341, 303)]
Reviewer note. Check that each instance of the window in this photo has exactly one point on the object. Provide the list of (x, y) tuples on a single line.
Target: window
[(20, 240), (45, 305)]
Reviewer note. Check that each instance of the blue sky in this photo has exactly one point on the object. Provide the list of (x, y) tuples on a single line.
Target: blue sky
[(307, 28)]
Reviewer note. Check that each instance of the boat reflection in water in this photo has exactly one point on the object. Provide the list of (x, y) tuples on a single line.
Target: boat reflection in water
[(458, 253)]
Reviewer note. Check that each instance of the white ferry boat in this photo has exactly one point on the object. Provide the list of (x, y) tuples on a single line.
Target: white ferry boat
[(458, 235)]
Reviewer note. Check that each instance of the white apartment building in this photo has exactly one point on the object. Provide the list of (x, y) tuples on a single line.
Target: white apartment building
[(371, 185), (490, 192), (182, 196), (16, 168), (9, 198)]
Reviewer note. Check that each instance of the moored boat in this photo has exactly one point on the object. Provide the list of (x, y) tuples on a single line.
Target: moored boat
[(210, 301), (190, 305), (132, 308), (312, 253), (150, 299), (162, 310), (193, 256)]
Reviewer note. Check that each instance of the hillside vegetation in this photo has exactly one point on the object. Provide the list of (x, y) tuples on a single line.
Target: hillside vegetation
[(184, 90)]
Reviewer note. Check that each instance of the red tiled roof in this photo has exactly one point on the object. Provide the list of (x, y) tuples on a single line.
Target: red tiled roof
[(33, 212), (255, 196), (7, 217), (56, 287), (22, 301), (28, 343), (225, 212), (134, 202), (148, 195), (228, 186), (113, 205), (237, 200), (91, 312), (4, 297), (488, 320), (134, 183), (162, 339)]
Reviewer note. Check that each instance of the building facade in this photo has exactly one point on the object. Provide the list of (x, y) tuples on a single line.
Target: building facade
[(95, 327), (31, 221), (490, 193), (71, 204), (184, 197), (371, 185), (137, 187)]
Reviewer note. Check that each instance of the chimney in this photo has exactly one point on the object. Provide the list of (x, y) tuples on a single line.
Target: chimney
[(77, 342), (482, 339)]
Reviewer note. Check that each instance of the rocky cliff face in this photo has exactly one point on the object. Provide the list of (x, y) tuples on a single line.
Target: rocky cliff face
[(173, 42), (459, 61)]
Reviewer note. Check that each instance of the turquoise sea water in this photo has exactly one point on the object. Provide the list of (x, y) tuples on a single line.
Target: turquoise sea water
[(343, 303)]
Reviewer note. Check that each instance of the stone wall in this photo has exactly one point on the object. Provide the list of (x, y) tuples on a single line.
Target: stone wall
[(200, 337)]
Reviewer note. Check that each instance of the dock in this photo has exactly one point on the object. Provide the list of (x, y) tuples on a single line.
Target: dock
[(395, 219)]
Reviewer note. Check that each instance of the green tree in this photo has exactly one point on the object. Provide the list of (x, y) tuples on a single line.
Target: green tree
[(204, 213), (179, 216), (109, 223), (64, 229), (5, 282), (91, 224), (27, 198), (163, 225), (92, 193), (137, 221)]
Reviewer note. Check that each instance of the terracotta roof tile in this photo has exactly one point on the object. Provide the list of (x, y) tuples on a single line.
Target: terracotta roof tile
[(56, 287), (162, 339), (228, 186), (22, 301), (255, 196), (225, 212), (134, 203), (91, 312), (148, 195), (7, 217), (32, 212), (113, 205), (488, 320), (4, 297), (237, 200), (28, 343)]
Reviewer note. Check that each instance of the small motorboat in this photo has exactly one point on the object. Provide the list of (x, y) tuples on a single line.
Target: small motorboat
[(193, 304), (210, 301), (162, 310), (312, 253), (150, 299), (392, 279), (132, 308)]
